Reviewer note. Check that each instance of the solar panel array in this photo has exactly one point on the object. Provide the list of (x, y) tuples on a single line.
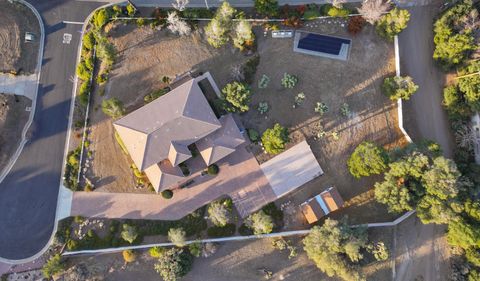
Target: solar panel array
[(322, 43)]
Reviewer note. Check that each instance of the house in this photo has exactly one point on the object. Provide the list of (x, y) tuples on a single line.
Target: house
[(321, 205), (161, 135)]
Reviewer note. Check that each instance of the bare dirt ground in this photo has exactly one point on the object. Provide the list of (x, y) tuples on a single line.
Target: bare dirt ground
[(421, 252), (234, 261), (13, 118), (15, 54), (356, 82), (144, 57)]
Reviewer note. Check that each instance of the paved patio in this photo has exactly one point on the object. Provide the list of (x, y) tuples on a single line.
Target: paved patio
[(240, 177)]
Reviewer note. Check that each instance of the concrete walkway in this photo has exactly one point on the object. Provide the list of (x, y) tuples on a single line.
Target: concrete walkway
[(19, 85)]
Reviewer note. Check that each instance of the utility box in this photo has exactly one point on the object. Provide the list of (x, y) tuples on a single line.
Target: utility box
[(29, 37)]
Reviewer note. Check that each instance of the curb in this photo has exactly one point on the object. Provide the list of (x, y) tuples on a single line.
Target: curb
[(38, 71), (399, 101)]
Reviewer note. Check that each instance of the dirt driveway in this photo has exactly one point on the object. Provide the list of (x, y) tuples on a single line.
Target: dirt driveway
[(15, 54)]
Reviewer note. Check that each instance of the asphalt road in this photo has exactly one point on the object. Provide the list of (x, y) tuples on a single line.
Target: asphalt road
[(425, 116), (28, 195)]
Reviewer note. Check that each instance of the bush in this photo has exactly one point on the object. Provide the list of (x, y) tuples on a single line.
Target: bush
[(338, 12), (221, 231), (173, 264), (273, 211), (274, 139), (212, 169), (321, 108), (89, 40), (253, 135), (129, 233), (399, 87), (356, 24), (218, 213), (53, 266), (266, 7), (367, 159), (129, 256), (455, 103), (113, 107), (392, 23), (156, 252), (195, 249), (83, 72), (101, 17), (237, 96), (289, 81), (260, 223), (83, 93), (167, 194), (177, 236)]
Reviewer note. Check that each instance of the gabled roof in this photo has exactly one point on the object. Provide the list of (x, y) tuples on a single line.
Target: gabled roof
[(322, 204), (164, 175), (165, 127), (222, 142)]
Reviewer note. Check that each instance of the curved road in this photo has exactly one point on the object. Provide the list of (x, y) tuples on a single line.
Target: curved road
[(28, 195)]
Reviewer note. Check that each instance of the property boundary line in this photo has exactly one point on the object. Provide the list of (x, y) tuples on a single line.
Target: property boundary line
[(38, 70), (227, 239)]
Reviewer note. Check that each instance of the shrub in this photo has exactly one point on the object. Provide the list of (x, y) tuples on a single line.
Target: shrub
[(250, 69), (455, 103), (253, 135), (289, 81), (263, 83), (273, 211), (243, 34), (53, 266), (311, 13), (195, 249), (117, 10), (83, 72), (129, 256), (321, 108), (299, 98), (173, 264), (113, 107), (101, 17), (345, 110), (399, 87), (83, 93), (177, 236), (266, 7), (131, 10), (260, 223), (262, 107), (156, 252), (218, 213), (88, 40), (274, 139), (393, 23), (338, 12), (129, 233), (221, 231), (244, 230), (355, 24), (212, 169), (367, 159), (167, 194), (156, 94), (237, 96), (380, 251)]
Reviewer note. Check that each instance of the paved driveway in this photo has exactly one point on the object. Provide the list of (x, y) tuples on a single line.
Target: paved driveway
[(240, 177)]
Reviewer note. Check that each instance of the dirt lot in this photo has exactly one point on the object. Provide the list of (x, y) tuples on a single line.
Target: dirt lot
[(13, 118), (234, 261), (15, 54)]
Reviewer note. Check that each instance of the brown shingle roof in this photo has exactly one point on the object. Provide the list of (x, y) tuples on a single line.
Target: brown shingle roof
[(222, 142), (179, 118)]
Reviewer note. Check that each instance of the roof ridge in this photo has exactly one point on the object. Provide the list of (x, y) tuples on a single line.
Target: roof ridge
[(184, 106), (205, 122)]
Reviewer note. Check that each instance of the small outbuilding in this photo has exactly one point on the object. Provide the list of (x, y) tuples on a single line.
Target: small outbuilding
[(321, 205)]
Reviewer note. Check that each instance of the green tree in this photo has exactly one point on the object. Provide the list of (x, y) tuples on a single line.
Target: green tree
[(401, 188), (266, 7), (218, 213), (218, 29), (455, 103), (469, 85), (237, 96), (393, 23), (129, 233), (274, 139), (463, 234), (399, 87), (113, 107), (53, 266), (177, 236), (474, 275), (173, 264), (335, 247), (243, 34), (260, 222), (367, 159), (473, 256)]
